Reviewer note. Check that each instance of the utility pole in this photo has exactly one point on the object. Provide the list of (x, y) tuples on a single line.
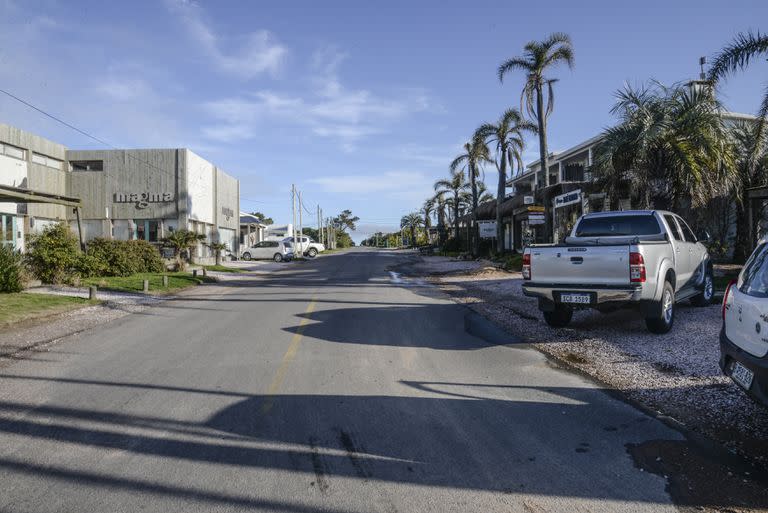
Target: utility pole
[(293, 200), (301, 228)]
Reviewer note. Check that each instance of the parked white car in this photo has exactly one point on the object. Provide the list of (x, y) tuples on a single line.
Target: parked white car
[(269, 250), (306, 245), (743, 345)]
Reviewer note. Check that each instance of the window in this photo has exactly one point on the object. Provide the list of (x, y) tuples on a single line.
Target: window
[(13, 151), (687, 232), (44, 160), (87, 165), (147, 229), (617, 226), (756, 273), (673, 227)]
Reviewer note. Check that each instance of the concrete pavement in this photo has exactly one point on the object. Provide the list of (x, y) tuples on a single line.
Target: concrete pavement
[(325, 386)]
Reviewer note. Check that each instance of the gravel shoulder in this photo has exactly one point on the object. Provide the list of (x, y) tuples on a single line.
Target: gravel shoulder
[(675, 375)]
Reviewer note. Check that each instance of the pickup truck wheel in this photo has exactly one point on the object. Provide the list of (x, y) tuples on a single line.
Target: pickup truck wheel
[(663, 316), (312, 253), (559, 317), (704, 298)]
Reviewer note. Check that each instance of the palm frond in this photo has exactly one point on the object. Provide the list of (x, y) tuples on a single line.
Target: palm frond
[(738, 54)]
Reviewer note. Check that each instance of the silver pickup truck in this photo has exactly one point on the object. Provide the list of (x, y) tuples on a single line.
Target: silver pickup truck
[(647, 259)]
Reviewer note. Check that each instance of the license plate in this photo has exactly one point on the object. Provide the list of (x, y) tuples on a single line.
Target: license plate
[(742, 375), (582, 299)]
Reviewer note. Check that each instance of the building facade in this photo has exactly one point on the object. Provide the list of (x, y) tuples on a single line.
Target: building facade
[(126, 194)]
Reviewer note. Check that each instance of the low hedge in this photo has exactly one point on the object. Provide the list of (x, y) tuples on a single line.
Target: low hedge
[(105, 257)]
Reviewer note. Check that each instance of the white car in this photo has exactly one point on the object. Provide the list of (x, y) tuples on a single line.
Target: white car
[(306, 245), (269, 250), (743, 345)]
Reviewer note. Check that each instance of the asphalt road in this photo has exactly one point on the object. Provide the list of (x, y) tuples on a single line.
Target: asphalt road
[(328, 386)]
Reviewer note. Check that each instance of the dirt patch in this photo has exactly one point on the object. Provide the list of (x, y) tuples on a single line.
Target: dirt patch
[(698, 482)]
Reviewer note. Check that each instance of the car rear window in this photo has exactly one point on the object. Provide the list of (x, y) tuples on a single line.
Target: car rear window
[(618, 225), (755, 277)]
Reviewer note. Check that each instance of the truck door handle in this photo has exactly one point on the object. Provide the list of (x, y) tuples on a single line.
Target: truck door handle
[(577, 260)]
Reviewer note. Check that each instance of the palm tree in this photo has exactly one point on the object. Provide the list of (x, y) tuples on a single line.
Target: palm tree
[(217, 248), (507, 138), (440, 204), (475, 155), (538, 58), (455, 186), (737, 56), (411, 221), (671, 145), (182, 240), (426, 211), (751, 147)]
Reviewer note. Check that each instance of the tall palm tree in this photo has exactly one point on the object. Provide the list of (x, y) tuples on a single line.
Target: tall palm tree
[(475, 155), (426, 211), (538, 58), (751, 147), (454, 186), (737, 56), (440, 204), (506, 136), (671, 145), (411, 221)]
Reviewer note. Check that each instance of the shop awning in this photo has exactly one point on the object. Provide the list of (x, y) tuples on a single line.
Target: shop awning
[(19, 195)]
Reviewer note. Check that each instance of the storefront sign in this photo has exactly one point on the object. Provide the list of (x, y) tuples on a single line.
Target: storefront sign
[(535, 208), (527, 200), (143, 199), (568, 198), (532, 222), (487, 229)]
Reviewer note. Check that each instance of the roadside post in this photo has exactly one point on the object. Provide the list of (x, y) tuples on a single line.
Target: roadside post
[(165, 281), (92, 292), (146, 286)]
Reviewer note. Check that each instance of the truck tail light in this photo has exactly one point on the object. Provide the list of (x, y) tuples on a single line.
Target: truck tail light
[(726, 296), (527, 266), (636, 268)]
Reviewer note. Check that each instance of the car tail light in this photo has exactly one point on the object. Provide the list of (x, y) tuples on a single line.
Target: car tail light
[(726, 295), (527, 266), (636, 268)]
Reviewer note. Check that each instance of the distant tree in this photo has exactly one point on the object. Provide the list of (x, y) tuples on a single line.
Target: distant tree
[(506, 136), (475, 155), (345, 221), (412, 221), (538, 58), (264, 219), (454, 186)]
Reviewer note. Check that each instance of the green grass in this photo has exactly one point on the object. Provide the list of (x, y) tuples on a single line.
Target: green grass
[(222, 269), (135, 283), (20, 306)]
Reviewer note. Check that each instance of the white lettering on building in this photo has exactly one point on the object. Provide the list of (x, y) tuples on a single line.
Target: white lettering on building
[(143, 199)]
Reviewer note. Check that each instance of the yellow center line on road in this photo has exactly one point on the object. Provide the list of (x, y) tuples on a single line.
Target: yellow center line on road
[(290, 354)]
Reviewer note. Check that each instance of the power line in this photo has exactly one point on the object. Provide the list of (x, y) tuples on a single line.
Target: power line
[(86, 134)]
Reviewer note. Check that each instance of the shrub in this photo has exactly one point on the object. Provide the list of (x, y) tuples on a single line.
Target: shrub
[(52, 255), (147, 255), (106, 257), (12, 272)]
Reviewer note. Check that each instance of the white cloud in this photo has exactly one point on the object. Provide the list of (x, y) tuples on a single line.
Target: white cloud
[(389, 182), (254, 53), (328, 110), (123, 89)]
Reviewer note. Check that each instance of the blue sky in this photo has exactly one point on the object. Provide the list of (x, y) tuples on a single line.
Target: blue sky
[(361, 104)]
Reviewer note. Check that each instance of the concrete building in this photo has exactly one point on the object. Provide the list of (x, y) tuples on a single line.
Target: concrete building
[(30, 162), (126, 194)]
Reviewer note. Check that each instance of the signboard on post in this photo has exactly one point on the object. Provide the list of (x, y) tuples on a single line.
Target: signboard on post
[(487, 229), (568, 198), (527, 200)]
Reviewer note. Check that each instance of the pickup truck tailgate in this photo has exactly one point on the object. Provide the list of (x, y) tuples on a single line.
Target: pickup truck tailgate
[(580, 265)]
